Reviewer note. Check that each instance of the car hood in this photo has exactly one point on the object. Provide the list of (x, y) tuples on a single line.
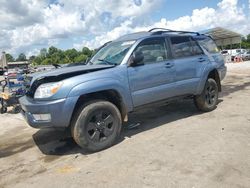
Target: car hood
[(67, 72), (60, 74)]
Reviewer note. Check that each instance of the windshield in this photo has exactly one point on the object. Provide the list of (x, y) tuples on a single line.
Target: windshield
[(112, 54)]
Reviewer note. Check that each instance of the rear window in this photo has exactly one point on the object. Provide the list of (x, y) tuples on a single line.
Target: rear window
[(208, 44)]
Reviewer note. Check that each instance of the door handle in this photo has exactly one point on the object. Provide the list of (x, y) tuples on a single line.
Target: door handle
[(169, 65)]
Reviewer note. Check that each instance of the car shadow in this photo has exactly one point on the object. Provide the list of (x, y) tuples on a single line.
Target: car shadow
[(54, 142), (232, 88), (150, 118)]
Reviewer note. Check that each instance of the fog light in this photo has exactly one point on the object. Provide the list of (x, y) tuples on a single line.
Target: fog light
[(42, 117)]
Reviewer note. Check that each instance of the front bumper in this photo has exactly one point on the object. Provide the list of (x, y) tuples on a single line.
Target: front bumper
[(60, 111)]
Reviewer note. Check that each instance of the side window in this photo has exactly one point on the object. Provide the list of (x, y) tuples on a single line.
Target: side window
[(196, 49), (181, 46), (153, 50), (208, 44)]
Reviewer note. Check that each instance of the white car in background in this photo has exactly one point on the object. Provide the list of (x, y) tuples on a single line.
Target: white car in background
[(233, 53), (246, 56)]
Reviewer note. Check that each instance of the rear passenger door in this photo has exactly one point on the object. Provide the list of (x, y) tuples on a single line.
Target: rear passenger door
[(189, 61), (153, 80)]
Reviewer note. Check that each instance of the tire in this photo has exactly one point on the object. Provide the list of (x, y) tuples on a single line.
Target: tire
[(96, 126), (3, 108), (17, 109), (208, 99)]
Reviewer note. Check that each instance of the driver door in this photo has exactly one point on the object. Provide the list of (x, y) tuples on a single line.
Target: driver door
[(153, 79)]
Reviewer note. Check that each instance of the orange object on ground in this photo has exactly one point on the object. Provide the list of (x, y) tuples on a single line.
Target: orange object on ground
[(237, 59)]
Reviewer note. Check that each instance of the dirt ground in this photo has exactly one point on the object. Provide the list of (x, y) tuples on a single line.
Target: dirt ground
[(174, 146)]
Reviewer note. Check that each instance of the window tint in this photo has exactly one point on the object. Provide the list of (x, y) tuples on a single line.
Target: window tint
[(182, 46), (208, 44), (154, 50), (196, 49)]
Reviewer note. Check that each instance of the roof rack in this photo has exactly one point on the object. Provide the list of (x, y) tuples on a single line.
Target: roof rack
[(163, 30), (159, 28)]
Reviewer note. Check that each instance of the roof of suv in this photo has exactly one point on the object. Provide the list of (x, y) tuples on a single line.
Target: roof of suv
[(155, 32)]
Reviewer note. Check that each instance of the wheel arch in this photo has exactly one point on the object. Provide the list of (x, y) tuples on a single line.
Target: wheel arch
[(212, 73), (215, 75), (110, 95)]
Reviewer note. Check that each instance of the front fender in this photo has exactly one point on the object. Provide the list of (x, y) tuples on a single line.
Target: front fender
[(102, 85)]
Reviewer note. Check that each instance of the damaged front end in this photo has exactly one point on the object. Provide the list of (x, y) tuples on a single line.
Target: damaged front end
[(61, 74)]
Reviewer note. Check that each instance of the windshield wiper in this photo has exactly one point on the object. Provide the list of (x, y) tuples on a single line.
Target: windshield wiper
[(107, 62)]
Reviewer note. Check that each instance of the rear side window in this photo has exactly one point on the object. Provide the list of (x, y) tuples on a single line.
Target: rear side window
[(181, 46), (208, 44)]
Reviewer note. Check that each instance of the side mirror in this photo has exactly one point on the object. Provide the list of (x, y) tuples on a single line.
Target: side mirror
[(136, 59)]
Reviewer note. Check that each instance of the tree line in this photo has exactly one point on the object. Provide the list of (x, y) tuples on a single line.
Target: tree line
[(54, 55)]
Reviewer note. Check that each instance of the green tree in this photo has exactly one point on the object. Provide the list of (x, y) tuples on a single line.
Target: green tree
[(9, 58), (248, 38), (47, 61), (86, 51), (52, 50), (71, 54), (81, 58), (53, 55), (31, 58), (37, 60), (21, 57)]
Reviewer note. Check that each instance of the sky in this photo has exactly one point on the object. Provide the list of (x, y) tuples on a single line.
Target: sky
[(26, 26)]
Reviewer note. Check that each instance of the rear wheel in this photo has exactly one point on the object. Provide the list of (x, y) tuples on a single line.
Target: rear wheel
[(208, 99), (97, 125)]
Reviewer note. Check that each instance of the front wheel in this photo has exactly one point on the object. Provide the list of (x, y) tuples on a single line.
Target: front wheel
[(97, 125), (208, 99)]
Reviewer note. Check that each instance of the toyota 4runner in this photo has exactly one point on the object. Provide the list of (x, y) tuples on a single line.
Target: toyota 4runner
[(137, 69)]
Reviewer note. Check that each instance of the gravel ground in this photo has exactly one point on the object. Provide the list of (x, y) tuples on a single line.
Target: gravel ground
[(175, 146)]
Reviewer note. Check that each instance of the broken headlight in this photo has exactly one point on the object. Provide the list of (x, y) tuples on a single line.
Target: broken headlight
[(47, 90)]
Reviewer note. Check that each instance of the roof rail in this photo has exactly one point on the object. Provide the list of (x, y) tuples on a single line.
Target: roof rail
[(163, 30), (159, 28), (191, 32)]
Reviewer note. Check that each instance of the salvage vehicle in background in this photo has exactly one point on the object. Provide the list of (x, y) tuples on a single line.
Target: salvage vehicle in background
[(135, 70), (1, 71), (245, 56)]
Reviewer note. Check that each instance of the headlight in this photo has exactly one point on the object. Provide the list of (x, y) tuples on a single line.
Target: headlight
[(47, 90)]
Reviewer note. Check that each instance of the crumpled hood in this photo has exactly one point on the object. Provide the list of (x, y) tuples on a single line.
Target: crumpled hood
[(61, 74), (67, 72)]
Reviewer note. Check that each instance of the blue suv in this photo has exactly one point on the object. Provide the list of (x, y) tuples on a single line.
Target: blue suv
[(132, 71)]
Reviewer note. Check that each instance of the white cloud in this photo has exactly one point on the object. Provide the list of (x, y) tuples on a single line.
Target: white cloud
[(16, 13), (26, 24), (228, 14)]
